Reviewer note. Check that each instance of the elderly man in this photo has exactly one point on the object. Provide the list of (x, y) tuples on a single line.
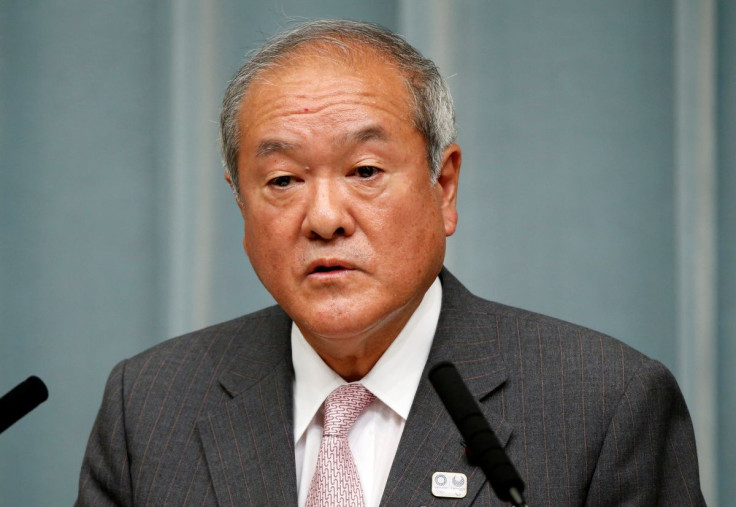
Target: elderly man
[(338, 139)]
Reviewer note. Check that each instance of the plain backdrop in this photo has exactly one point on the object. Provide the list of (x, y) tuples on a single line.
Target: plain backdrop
[(597, 186)]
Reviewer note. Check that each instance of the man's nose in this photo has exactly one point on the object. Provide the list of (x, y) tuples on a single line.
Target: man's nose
[(327, 214)]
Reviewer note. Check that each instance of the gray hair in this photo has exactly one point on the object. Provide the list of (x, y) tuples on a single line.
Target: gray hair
[(434, 112)]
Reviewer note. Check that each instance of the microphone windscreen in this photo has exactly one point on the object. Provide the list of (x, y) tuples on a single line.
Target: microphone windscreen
[(458, 401), (20, 400)]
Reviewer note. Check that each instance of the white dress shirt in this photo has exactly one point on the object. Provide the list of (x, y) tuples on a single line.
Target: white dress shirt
[(393, 380)]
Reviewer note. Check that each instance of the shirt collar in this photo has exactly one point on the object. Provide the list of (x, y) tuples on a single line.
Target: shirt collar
[(393, 379)]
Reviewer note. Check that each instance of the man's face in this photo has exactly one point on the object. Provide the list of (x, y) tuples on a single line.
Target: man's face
[(342, 222)]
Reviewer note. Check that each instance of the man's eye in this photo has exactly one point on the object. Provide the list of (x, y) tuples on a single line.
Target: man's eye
[(366, 171), (280, 181)]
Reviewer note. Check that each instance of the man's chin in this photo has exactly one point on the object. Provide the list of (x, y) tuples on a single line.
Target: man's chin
[(353, 321), (340, 331), (339, 327)]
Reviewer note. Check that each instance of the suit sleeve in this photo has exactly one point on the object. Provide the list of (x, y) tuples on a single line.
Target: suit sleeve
[(105, 475), (648, 454)]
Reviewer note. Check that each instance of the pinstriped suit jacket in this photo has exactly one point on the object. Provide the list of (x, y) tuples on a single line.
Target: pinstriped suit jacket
[(206, 419)]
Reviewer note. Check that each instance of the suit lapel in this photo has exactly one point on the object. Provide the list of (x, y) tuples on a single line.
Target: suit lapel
[(431, 442), (248, 443)]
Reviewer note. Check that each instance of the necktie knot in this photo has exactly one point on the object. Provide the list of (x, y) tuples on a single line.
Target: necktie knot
[(343, 407)]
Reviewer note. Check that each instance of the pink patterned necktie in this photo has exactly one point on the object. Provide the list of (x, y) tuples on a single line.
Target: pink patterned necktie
[(336, 481)]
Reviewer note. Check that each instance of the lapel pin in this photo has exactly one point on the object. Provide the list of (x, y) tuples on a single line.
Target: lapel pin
[(449, 485)]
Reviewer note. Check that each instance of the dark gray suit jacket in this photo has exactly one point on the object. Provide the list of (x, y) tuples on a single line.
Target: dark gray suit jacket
[(206, 419)]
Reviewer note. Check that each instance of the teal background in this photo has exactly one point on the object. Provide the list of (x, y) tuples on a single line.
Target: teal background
[(598, 185)]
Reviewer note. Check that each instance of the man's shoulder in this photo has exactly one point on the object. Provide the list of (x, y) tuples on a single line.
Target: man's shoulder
[(528, 333), (458, 299), (259, 338), (561, 386)]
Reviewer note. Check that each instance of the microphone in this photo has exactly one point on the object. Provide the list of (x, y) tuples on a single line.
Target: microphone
[(479, 437), (20, 400)]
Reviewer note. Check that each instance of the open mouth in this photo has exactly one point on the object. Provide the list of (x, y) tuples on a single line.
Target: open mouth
[(327, 269)]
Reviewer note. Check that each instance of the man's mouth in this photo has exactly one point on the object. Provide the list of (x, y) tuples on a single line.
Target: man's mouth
[(327, 269), (329, 266)]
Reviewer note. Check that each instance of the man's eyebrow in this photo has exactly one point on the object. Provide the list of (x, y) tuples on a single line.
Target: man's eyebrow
[(367, 134), (268, 146)]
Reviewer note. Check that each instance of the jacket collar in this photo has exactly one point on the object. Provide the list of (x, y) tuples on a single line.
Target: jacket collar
[(248, 442)]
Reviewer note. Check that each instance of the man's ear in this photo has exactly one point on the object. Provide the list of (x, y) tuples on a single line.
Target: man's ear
[(447, 183), (236, 193)]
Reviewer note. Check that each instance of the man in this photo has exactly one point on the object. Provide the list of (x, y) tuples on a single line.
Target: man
[(338, 139)]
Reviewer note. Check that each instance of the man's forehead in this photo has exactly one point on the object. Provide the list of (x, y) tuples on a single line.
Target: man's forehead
[(270, 146), (327, 87)]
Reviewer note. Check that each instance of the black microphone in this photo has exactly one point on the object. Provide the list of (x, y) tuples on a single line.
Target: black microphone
[(20, 400), (485, 448)]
